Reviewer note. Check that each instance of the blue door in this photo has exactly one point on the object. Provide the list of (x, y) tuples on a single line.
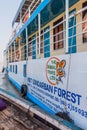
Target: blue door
[(72, 34), (46, 42), (34, 47)]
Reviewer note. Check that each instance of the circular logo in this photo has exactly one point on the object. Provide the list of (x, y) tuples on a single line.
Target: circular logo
[(55, 70)]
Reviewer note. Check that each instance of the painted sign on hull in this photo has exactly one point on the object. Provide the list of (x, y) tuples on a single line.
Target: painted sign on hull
[(55, 84)]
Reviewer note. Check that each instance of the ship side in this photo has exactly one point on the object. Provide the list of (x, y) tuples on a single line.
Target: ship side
[(46, 56)]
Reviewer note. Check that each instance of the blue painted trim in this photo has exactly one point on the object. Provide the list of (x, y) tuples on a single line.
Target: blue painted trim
[(17, 85), (29, 96), (6, 69), (35, 13), (35, 100)]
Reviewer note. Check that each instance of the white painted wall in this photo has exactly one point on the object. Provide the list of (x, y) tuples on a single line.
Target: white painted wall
[(19, 76), (71, 92)]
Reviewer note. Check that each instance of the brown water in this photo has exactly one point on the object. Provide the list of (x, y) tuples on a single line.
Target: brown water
[(8, 86)]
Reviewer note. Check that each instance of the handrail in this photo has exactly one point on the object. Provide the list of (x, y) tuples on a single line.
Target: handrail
[(52, 42)]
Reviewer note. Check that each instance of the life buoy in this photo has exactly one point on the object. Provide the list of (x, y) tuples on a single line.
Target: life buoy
[(25, 17), (23, 90), (17, 55)]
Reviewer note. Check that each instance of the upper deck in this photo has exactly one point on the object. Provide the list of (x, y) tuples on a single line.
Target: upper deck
[(65, 30), (26, 7), (24, 12)]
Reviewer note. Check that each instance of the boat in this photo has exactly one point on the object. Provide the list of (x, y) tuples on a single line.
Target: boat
[(46, 56)]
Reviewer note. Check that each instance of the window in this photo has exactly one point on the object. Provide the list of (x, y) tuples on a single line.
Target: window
[(24, 70), (58, 35), (10, 68), (33, 26), (34, 47), (84, 25), (47, 41), (13, 68), (16, 69)]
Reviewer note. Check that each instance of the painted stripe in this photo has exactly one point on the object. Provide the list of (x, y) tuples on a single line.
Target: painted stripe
[(39, 103), (16, 84), (29, 96), (6, 69)]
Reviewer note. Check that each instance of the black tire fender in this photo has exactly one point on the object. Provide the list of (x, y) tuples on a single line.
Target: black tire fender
[(24, 90)]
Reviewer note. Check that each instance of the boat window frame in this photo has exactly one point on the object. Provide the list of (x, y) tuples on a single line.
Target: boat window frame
[(16, 69), (10, 68), (24, 70), (58, 31), (13, 68)]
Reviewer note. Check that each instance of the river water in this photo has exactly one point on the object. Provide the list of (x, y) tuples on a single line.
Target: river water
[(8, 86)]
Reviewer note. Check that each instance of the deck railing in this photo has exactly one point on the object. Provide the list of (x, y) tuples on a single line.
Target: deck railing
[(53, 40)]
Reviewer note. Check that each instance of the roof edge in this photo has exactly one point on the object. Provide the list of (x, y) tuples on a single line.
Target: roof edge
[(16, 15)]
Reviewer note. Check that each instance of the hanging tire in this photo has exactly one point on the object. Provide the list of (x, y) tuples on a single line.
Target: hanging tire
[(23, 90)]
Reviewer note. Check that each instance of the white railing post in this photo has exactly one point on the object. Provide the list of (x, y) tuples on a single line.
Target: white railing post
[(39, 27), (26, 44), (67, 23), (29, 12), (20, 18)]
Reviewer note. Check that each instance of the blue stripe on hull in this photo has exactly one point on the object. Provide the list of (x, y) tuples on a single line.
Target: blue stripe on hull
[(29, 96), (17, 85)]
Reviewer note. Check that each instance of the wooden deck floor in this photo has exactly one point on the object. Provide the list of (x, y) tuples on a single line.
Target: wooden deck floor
[(14, 119)]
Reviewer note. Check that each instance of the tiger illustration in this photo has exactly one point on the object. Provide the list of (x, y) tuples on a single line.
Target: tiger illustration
[(60, 72)]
